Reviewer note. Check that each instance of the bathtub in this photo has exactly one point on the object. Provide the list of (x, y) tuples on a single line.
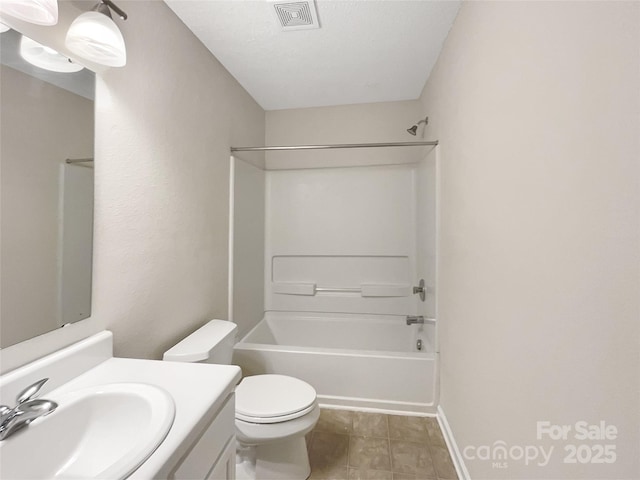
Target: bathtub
[(353, 361)]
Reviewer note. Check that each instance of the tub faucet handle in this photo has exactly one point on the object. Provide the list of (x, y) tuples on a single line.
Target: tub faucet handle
[(420, 290), (413, 319)]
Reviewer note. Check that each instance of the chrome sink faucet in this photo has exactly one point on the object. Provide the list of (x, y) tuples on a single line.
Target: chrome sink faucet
[(28, 408)]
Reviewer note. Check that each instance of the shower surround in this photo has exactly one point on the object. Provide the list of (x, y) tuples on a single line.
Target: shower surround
[(344, 248)]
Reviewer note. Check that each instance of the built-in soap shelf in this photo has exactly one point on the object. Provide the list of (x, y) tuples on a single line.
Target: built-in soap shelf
[(364, 290)]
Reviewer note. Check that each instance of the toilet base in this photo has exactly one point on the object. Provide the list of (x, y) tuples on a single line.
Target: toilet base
[(287, 459)]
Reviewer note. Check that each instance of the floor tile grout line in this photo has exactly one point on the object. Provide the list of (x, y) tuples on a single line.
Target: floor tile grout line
[(389, 444)]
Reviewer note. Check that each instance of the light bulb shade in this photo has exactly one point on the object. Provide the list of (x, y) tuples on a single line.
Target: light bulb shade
[(45, 57), (40, 12), (95, 37)]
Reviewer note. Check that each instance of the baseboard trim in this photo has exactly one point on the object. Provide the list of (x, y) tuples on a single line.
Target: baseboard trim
[(377, 406), (458, 461)]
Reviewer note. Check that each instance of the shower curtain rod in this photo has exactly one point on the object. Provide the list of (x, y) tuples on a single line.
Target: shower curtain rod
[(340, 145), (71, 161)]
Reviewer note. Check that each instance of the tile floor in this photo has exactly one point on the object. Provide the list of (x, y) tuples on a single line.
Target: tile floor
[(348, 445)]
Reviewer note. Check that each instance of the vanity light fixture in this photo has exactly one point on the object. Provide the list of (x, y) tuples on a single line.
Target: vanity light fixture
[(46, 57), (94, 36), (40, 12)]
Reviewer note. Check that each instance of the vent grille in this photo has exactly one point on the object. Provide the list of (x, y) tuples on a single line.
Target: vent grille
[(297, 15)]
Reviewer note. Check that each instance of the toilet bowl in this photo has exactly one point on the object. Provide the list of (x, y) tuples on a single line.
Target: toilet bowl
[(273, 412)]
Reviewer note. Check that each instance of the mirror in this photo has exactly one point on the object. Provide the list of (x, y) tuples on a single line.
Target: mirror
[(46, 194)]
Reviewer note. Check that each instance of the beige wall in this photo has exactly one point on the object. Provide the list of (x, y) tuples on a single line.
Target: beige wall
[(42, 125), (371, 122), (536, 108), (164, 125)]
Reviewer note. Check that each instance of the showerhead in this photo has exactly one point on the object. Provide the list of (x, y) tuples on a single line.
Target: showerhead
[(414, 130)]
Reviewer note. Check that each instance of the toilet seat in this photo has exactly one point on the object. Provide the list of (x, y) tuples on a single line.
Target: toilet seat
[(273, 398)]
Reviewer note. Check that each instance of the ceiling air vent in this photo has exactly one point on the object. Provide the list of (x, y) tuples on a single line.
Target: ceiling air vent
[(297, 15)]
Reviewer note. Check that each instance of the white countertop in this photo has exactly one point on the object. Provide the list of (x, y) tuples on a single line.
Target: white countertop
[(198, 390)]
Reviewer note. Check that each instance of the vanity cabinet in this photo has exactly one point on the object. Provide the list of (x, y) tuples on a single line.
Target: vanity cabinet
[(199, 444), (213, 454)]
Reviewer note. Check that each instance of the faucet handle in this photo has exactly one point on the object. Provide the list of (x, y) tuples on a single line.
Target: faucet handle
[(31, 391), (4, 411), (420, 290), (415, 319)]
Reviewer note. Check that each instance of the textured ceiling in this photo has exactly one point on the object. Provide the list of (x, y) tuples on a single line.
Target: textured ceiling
[(365, 51)]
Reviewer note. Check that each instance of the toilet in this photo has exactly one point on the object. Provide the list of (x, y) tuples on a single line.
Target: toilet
[(273, 412)]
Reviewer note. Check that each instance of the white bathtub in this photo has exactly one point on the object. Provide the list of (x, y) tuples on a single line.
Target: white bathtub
[(353, 361)]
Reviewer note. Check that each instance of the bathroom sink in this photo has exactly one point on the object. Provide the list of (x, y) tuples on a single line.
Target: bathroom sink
[(105, 431)]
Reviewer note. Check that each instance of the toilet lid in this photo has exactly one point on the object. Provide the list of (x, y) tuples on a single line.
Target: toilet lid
[(273, 398)]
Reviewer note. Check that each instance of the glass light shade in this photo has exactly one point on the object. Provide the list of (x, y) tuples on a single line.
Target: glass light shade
[(4, 28), (40, 12), (95, 37), (46, 57)]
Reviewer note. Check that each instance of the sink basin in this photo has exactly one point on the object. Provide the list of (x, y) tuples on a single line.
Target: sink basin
[(105, 432)]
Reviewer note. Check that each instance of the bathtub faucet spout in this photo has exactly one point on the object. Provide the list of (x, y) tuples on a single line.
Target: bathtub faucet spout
[(412, 320)]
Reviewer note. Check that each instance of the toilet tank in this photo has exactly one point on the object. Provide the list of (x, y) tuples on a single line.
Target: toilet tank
[(211, 343)]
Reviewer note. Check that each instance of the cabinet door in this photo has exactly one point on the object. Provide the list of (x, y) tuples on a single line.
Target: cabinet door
[(225, 468), (206, 452)]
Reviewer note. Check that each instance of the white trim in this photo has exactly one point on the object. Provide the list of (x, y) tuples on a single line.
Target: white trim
[(456, 457), (351, 408), (60, 249), (388, 407), (232, 181), (438, 183)]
